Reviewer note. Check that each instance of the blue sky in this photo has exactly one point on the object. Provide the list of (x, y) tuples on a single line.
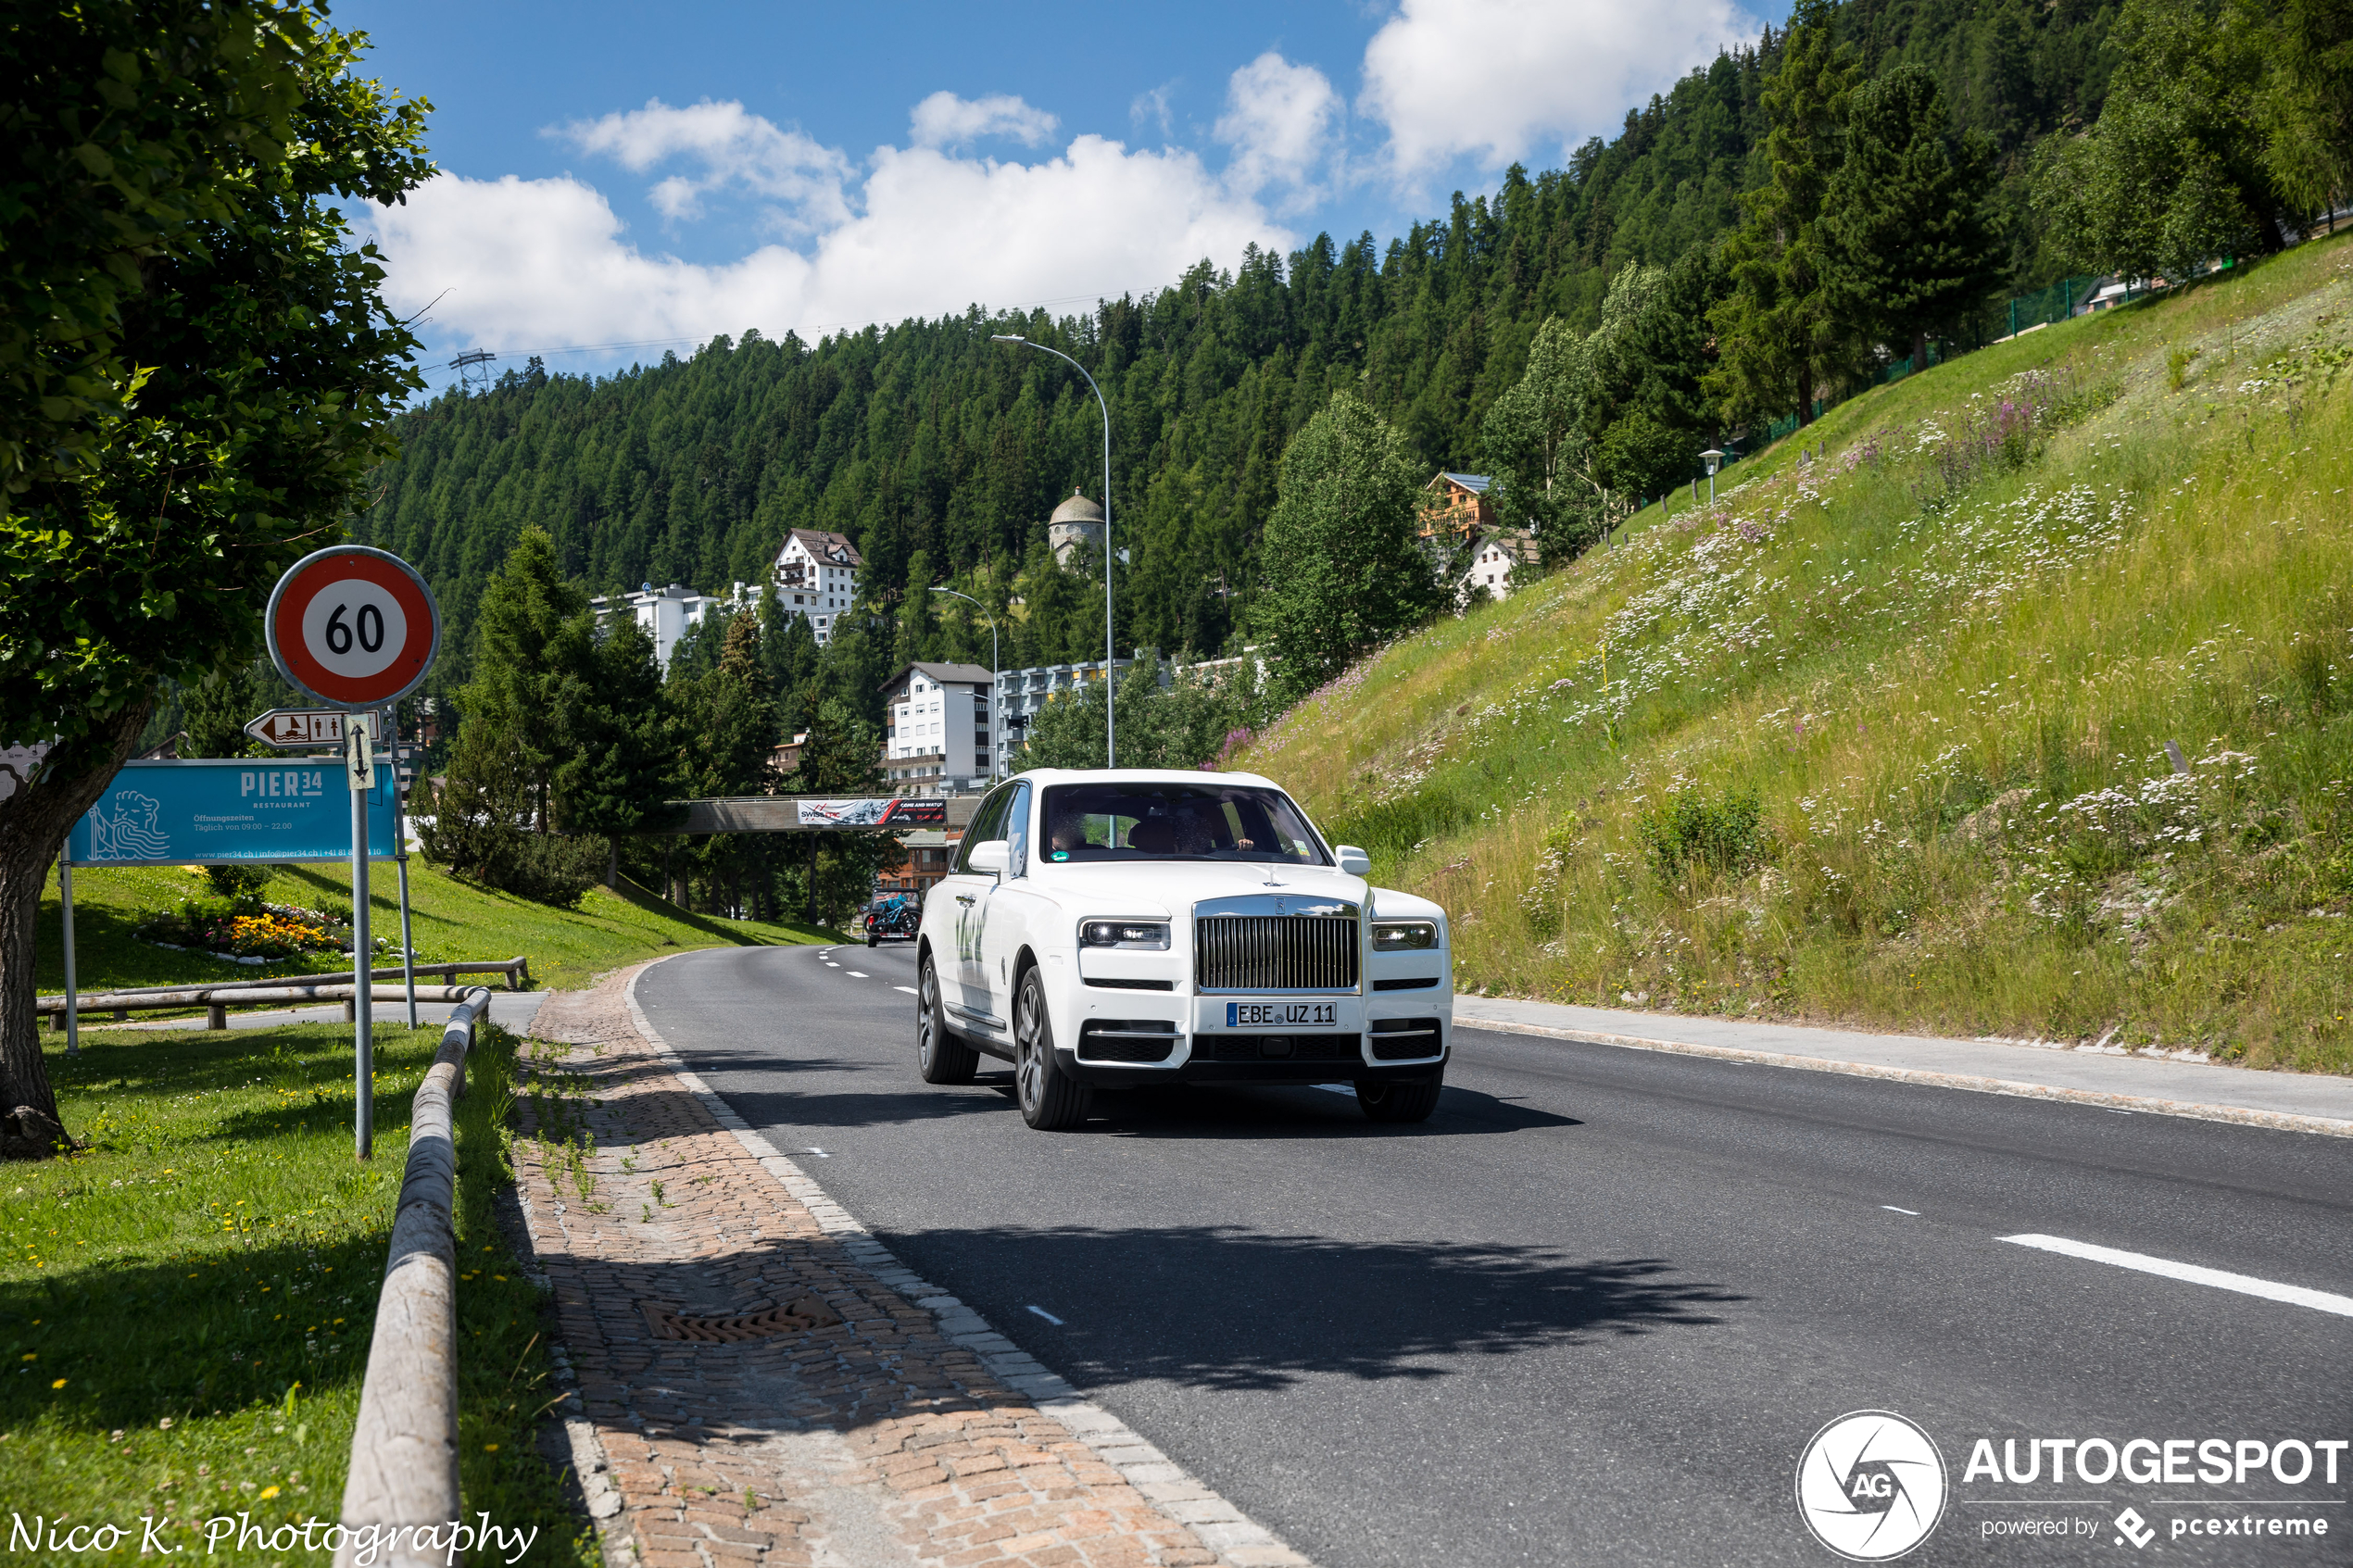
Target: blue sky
[(622, 178)]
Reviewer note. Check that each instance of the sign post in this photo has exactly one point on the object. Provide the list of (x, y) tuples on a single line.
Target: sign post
[(358, 628), (301, 729)]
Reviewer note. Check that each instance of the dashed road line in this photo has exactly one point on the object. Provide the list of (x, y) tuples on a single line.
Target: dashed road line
[(909, 989), (1048, 1316), (2246, 1284), (1893, 1209), (857, 975)]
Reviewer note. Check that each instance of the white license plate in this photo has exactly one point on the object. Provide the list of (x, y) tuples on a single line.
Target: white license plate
[(1282, 1015)]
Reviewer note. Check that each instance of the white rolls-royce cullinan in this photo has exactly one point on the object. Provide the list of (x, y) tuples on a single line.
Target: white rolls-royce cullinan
[(1122, 928)]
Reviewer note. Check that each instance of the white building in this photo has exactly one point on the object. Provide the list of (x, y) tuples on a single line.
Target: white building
[(937, 725), (668, 613), (1492, 563), (817, 577)]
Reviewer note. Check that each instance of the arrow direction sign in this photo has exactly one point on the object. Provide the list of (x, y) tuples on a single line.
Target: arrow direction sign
[(302, 729)]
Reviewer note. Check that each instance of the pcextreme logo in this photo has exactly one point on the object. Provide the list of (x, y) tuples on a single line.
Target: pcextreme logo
[(1871, 1485)]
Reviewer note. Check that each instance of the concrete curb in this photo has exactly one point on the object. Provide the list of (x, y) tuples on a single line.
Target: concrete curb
[(2279, 1121), (1239, 1540)]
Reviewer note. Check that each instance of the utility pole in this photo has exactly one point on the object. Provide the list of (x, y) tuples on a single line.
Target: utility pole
[(1110, 662)]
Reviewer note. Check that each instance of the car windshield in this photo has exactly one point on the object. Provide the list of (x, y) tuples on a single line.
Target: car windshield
[(1177, 822)]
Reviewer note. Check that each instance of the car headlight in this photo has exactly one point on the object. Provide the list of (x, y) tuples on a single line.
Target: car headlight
[(1146, 934), (1405, 937)]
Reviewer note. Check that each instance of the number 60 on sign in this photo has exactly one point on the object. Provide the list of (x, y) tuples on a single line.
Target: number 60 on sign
[(353, 626)]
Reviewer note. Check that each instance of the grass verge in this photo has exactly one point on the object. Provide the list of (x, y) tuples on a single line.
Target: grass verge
[(2014, 698), (454, 922), (185, 1307)]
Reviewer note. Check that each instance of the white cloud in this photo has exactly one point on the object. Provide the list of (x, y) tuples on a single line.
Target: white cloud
[(733, 147), (1279, 119), (945, 120), (1501, 78), (1153, 107), (538, 264)]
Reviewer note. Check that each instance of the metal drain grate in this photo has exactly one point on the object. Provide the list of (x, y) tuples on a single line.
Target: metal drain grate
[(794, 1317)]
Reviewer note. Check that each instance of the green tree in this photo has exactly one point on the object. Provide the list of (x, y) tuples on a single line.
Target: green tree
[(1782, 335), (2306, 109), (149, 509), (1344, 573), (534, 665), (215, 709), (1912, 242), (2173, 174), (1639, 458), (621, 762), (1537, 448)]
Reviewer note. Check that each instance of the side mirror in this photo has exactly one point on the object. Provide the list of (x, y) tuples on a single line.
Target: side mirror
[(1352, 860), (992, 857)]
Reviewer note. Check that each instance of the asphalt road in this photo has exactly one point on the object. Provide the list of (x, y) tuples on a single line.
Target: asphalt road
[(1595, 1309)]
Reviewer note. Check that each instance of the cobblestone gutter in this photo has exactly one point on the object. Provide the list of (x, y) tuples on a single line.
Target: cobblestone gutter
[(907, 1432)]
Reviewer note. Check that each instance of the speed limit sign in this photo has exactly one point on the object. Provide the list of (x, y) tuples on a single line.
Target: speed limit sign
[(353, 626)]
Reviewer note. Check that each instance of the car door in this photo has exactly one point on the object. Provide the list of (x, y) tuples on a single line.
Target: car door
[(971, 890), (1010, 905)]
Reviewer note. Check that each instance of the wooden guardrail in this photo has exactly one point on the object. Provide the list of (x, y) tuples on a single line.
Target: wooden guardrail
[(217, 997), (404, 1449)]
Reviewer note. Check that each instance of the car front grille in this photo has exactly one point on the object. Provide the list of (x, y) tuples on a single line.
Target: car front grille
[(1274, 952), (1276, 1048)]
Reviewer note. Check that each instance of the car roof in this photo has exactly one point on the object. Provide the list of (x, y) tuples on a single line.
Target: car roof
[(1142, 775)]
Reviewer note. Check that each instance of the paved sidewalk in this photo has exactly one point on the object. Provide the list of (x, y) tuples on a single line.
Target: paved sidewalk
[(863, 1418), (2293, 1102)]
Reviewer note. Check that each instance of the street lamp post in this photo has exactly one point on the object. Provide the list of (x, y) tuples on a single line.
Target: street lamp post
[(1714, 460), (996, 695), (1111, 683)]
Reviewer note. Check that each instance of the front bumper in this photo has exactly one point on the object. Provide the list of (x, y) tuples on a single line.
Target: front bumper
[(1195, 1070), (1126, 1037)]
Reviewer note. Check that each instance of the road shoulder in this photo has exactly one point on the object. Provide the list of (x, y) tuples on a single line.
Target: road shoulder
[(908, 1432), (2298, 1102)]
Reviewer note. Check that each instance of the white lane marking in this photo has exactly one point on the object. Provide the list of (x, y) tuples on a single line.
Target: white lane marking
[(1048, 1316), (857, 975), (1348, 1089), (1893, 1209), (2246, 1284), (830, 964), (909, 989), (818, 1152)]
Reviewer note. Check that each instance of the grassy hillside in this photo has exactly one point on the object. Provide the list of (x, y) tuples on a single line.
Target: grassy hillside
[(1882, 737), (453, 921)]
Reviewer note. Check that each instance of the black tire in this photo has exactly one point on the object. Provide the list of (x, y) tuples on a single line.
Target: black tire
[(1051, 1100), (940, 1057), (871, 939), (1400, 1100)]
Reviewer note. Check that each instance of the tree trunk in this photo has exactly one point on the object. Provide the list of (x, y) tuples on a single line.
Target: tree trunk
[(34, 817), (1920, 351), (1804, 395)]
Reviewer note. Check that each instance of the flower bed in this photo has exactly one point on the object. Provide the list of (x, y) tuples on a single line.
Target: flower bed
[(244, 928)]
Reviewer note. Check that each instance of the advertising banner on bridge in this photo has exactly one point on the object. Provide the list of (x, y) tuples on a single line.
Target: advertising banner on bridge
[(207, 812), (873, 813)]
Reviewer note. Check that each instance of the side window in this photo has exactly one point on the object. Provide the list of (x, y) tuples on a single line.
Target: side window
[(1017, 829), (983, 827)]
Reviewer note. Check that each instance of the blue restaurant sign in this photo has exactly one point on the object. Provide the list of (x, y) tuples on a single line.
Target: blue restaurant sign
[(166, 813)]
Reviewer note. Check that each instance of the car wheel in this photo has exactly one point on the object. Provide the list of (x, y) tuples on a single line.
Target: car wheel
[(1395, 1100), (1051, 1099), (873, 940), (939, 1056)]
